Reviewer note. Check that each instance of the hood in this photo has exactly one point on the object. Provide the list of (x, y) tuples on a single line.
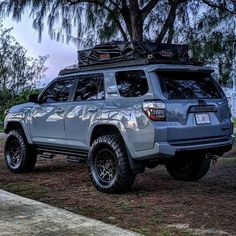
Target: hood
[(21, 107)]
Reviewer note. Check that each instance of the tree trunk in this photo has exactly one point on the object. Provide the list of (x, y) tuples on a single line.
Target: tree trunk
[(136, 21)]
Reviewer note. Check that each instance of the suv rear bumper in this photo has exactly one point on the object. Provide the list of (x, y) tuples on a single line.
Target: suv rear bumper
[(166, 150)]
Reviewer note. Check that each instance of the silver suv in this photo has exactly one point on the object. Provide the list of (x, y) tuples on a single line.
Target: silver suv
[(122, 119)]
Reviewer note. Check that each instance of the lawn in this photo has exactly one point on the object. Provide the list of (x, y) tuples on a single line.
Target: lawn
[(157, 205), (234, 119)]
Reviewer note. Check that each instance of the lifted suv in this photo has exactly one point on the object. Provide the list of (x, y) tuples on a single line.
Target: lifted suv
[(123, 118)]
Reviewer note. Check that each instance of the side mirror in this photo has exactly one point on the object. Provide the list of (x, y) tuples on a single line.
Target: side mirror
[(33, 98)]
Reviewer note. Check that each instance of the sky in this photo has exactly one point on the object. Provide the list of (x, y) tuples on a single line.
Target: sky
[(60, 54)]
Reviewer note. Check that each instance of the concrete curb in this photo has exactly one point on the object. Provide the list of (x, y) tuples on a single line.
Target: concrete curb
[(23, 217), (2, 135)]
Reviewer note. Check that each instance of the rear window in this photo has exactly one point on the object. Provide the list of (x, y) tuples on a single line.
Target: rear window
[(179, 85)]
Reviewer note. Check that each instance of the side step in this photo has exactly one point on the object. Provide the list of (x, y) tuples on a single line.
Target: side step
[(76, 159), (74, 155), (46, 155)]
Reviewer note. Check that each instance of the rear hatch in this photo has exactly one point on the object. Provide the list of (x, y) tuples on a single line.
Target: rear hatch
[(196, 108)]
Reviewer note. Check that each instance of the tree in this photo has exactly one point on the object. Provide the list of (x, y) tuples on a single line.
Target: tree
[(204, 24), (18, 72), (110, 19), (212, 39)]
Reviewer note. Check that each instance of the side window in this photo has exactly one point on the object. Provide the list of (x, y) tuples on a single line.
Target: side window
[(90, 87), (58, 91), (131, 83)]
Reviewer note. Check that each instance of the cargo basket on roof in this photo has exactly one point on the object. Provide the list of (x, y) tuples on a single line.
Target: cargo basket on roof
[(121, 54), (126, 51)]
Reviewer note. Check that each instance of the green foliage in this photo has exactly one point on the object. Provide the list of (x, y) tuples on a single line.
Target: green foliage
[(7, 100), (19, 74), (165, 232), (234, 120), (211, 38), (17, 71)]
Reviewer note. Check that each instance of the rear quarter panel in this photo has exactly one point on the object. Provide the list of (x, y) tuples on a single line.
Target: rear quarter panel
[(137, 127)]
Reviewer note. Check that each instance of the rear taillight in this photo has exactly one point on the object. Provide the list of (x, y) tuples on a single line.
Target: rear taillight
[(155, 109)]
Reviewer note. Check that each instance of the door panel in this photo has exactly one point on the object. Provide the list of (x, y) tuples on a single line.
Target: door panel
[(47, 125), (47, 120), (84, 110), (80, 115)]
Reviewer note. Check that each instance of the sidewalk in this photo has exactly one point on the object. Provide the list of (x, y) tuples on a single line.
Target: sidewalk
[(2, 135), (25, 217)]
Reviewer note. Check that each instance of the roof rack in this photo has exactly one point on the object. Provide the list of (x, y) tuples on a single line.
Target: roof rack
[(75, 68)]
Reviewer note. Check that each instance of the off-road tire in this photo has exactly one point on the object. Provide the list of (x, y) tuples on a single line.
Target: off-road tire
[(188, 169), (123, 178), (28, 154)]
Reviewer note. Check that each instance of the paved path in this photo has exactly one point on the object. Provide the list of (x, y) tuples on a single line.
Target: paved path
[(24, 217), (2, 135)]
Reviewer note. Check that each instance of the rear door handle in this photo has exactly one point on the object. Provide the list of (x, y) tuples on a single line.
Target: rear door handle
[(93, 109), (59, 110)]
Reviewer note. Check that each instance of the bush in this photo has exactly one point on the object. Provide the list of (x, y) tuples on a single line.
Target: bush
[(7, 100)]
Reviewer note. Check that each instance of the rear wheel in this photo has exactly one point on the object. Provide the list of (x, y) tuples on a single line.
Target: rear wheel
[(109, 165), (19, 155), (188, 169)]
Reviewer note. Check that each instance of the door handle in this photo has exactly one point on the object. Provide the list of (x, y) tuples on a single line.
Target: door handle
[(93, 109), (59, 110)]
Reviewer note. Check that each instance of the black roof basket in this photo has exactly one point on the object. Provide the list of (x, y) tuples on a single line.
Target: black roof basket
[(117, 54), (126, 51)]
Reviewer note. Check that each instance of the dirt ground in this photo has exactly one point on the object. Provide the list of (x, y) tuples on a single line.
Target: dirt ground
[(157, 205)]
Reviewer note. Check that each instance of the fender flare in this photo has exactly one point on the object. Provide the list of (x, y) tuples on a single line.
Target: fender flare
[(22, 125), (117, 124), (136, 166)]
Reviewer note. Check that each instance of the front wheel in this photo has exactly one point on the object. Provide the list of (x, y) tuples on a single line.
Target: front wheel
[(19, 155), (188, 169), (109, 165)]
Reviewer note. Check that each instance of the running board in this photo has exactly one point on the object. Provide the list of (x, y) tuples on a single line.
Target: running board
[(63, 151), (47, 155), (76, 159)]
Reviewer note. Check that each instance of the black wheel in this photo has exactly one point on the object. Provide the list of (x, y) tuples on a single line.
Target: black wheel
[(109, 165), (19, 155), (188, 169)]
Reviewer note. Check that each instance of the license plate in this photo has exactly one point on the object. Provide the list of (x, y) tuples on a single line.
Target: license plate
[(202, 118)]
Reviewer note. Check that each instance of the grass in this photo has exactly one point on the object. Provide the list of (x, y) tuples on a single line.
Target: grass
[(165, 232), (1, 128), (234, 119), (154, 204)]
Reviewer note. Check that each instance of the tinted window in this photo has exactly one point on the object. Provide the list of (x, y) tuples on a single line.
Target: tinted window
[(89, 88), (131, 83), (186, 85), (58, 91)]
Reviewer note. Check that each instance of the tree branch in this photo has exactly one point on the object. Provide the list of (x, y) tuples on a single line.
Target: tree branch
[(116, 20), (115, 4), (126, 16), (220, 7), (169, 21), (101, 4), (148, 8)]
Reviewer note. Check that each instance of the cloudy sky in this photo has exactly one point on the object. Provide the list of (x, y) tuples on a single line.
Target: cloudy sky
[(60, 54)]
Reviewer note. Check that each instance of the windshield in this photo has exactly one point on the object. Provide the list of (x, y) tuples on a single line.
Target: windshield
[(189, 85)]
